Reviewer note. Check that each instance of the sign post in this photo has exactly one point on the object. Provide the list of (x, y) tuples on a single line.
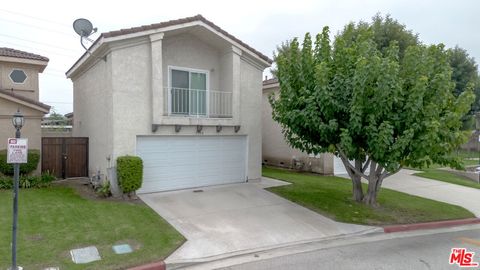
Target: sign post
[(17, 153)]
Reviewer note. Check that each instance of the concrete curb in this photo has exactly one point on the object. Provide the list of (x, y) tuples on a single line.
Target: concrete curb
[(430, 225), (151, 266), (200, 262)]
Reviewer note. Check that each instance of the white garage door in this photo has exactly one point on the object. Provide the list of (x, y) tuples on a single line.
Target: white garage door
[(178, 162), (338, 167)]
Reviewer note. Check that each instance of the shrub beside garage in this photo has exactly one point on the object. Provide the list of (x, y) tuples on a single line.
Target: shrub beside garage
[(129, 173)]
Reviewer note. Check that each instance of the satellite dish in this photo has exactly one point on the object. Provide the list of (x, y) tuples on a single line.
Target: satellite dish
[(84, 29)]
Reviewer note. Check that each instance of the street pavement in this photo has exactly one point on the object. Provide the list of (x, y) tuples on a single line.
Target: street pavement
[(408, 250)]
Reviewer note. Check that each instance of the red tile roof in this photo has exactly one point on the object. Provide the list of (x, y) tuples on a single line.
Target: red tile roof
[(25, 99), (9, 52)]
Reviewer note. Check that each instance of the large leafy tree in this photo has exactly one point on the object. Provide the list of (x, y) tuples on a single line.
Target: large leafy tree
[(465, 71), (380, 104)]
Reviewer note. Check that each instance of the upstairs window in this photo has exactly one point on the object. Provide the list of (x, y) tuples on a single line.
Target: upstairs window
[(188, 91)]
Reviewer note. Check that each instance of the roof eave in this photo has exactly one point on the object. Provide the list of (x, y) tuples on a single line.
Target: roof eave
[(42, 108), (271, 85), (85, 56), (40, 63), (101, 40)]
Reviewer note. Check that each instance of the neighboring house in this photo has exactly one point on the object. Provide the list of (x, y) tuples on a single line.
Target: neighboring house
[(69, 117), (184, 95), (277, 152), (19, 91), (57, 126)]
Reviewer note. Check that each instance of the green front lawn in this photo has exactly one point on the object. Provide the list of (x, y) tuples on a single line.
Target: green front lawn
[(54, 220), (332, 196), (470, 162), (448, 177)]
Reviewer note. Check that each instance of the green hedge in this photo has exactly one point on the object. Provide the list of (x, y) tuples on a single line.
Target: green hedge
[(129, 173), (44, 180), (26, 168)]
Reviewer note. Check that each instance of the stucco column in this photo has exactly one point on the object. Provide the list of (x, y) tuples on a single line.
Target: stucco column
[(236, 71), (157, 77)]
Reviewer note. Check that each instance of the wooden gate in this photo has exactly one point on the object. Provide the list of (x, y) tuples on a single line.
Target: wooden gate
[(65, 156)]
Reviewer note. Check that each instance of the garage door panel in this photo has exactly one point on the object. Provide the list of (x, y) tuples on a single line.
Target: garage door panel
[(176, 162), (339, 167)]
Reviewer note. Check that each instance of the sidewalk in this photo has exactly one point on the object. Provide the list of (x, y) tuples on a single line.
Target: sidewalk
[(405, 181)]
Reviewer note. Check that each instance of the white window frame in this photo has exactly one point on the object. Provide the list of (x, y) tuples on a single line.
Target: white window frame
[(189, 70)]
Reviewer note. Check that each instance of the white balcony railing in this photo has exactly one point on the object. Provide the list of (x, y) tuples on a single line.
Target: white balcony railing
[(199, 103)]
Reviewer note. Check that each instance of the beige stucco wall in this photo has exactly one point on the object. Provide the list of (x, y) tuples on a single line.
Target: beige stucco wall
[(131, 69), (187, 51), (113, 114), (250, 111), (277, 152), (29, 88), (92, 96)]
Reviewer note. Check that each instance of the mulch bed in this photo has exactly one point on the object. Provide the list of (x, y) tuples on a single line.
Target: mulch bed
[(83, 187)]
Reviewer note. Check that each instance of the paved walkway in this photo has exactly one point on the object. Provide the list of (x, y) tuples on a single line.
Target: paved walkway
[(406, 182), (240, 217)]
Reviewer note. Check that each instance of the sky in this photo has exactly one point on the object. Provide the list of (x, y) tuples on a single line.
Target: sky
[(45, 27)]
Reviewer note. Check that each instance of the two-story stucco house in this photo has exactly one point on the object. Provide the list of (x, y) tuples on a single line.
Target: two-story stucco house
[(19, 91), (184, 95)]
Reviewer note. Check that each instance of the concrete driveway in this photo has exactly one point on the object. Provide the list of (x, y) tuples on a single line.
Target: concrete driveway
[(237, 218)]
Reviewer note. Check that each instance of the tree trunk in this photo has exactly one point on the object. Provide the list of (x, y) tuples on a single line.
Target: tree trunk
[(357, 183), (375, 179), (371, 196), (357, 188)]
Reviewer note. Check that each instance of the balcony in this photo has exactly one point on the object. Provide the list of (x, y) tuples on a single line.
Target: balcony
[(199, 103)]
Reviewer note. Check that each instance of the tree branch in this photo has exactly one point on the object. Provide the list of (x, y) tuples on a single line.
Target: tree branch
[(392, 173), (379, 170), (347, 163), (365, 166)]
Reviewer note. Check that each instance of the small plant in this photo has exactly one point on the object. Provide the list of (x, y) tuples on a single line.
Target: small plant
[(26, 168), (130, 173), (6, 182), (104, 189), (46, 178), (25, 181)]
